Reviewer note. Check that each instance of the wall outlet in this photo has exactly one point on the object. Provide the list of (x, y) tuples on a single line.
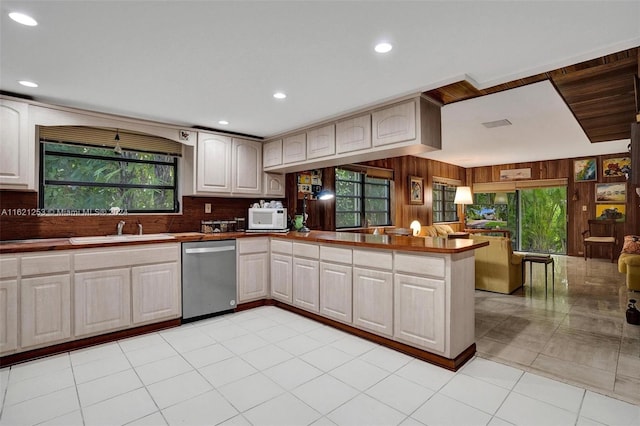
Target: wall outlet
[(207, 207), (584, 208)]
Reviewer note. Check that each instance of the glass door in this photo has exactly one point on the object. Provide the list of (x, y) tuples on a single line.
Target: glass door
[(542, 220)]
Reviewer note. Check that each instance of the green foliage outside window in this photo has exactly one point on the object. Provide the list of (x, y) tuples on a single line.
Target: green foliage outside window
[(361, 199)]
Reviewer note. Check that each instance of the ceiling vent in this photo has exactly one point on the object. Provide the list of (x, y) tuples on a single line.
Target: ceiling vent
[(497, 123)]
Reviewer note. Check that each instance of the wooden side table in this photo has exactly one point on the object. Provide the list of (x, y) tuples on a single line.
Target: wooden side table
[(455, 235), (539, 258)]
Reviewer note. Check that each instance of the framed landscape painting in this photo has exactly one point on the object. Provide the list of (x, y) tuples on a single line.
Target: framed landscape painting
[(611, 211), (585, 170), (611, 192)]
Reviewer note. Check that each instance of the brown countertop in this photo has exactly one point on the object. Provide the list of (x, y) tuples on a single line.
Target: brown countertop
[(389, 242)]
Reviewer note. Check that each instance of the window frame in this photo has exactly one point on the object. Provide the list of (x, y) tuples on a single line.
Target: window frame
[(42, 182), (362, 183), (443, 188)]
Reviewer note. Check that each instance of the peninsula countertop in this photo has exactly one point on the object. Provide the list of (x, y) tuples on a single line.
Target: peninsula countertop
[(382, 241)]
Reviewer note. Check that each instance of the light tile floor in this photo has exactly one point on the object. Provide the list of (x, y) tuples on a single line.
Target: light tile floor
[(231, 370), (577, 333)]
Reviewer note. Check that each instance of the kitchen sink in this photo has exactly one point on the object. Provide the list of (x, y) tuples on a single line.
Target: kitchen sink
[(103, 239)]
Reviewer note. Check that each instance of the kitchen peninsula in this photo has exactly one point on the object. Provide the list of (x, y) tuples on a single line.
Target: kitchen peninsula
[(414, 294)]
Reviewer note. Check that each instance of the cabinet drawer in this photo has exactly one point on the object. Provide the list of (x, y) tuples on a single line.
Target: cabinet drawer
[(8, 267), (47, 264), (120, 256), (421, 265), (373, 259), (252, 245), (336, 254), (284, 247), (306, 250)]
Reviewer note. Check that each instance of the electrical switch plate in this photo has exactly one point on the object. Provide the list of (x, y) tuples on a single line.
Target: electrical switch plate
[(584, 208), (207, 207)]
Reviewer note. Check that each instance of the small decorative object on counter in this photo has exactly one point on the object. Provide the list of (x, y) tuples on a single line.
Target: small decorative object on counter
[(240, 224), (633, 314), (206, 226)]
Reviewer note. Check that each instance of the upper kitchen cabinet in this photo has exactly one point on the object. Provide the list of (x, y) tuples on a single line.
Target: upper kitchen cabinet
[(272, 153), (353, 134), (394, 124), (408, 126), (17, 144), (228, 166), (294, 148), (321, 142), (274, 184)]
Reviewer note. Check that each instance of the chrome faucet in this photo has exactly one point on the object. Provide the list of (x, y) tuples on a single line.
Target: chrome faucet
[(120, 226)]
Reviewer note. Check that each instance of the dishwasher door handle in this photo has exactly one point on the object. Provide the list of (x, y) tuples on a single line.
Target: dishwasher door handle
[(209, 249)]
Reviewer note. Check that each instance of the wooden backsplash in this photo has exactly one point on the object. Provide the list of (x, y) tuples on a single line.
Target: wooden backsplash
[(14, 226)]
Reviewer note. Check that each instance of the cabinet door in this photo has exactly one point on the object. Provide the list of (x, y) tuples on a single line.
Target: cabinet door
[(336, 291), (394, 124), (45, 309), (213, 172), (155, 292), (294, 148), (102, 301), (419, 311), (306, 284), (373, 300), (353, 134), (281, 277), (253, 276), (8, 315), (247, 167), (321, 142), (272, 153), (274, 184), (18, 157)]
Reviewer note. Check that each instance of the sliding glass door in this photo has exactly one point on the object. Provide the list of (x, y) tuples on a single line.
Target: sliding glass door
[(543, 220)]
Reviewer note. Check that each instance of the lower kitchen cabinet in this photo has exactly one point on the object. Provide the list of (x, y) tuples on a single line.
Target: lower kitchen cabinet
[(155, 292), (306, 284), (102, 301), (45, 305), (252, 269), (424, 327), (336, 291), (373, 300), (8, 315), (282, 277)]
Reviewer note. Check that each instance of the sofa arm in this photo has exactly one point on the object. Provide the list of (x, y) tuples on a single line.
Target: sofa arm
[(516, 258)]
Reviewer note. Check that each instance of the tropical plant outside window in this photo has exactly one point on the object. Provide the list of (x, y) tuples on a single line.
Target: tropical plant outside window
[(93, 179), (361, 200)]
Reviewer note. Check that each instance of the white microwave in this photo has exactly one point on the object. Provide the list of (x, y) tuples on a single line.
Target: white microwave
[(267, 219)]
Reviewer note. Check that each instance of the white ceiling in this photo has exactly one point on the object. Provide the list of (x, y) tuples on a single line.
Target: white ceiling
[(197, 62)]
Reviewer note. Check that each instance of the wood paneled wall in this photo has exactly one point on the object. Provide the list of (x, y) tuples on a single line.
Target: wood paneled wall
[(585, 192)]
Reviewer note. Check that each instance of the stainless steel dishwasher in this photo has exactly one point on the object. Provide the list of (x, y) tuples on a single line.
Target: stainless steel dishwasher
[(208, 278)]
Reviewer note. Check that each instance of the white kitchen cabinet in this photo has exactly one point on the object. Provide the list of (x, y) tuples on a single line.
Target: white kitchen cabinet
[(246, 167), (336, 291), (394, 124), (213, 168), (306, 284), (294, 148), (353, 134), (321, 142), (274, 184), (155, 293), (424, 327), (45, 309), (373, 300), (252, 269), (272, 153), (17, 145), (282, 277), (102, 301), (8, 304)]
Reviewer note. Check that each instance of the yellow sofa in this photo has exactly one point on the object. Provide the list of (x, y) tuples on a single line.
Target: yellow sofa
[(629, 264), (498, 269)]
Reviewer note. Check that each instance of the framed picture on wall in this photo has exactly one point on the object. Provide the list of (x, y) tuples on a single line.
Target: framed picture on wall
[(416, 190), (615, 167), (611, 211), (611, 192), (585, 170)]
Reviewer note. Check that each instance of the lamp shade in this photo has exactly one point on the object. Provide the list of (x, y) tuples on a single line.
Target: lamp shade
[(325, 194), (463, 195), (500, 198), (415, 227)]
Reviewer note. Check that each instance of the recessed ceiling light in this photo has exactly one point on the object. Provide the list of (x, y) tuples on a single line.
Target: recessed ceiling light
[(223, 122), (383, 47), (497, 123), (28, 83), (23, 19), (279, 95)]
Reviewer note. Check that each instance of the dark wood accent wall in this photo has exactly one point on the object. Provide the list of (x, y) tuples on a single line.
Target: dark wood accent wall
[(585, 192), (18, 220)]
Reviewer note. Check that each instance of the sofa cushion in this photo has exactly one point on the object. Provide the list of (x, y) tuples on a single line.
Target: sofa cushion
[(443, 230), (631, 244), (429, 231)]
